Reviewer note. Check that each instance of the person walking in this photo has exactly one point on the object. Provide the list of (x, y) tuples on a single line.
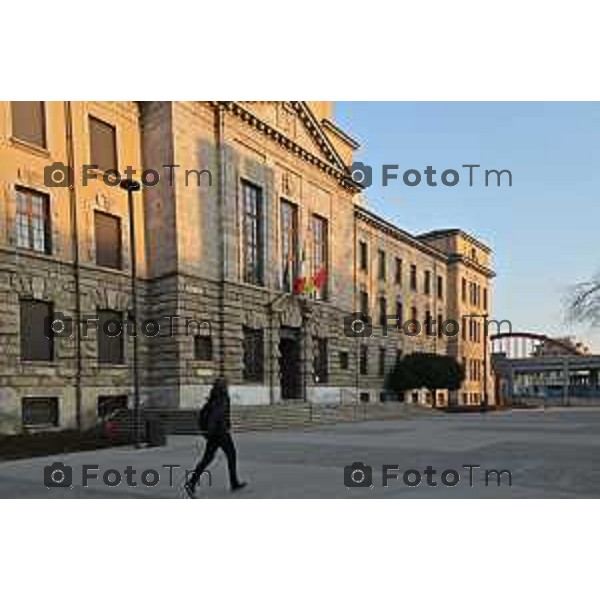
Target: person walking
[(215, 425)]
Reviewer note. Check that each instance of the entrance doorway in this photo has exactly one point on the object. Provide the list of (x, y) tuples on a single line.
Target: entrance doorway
[(290, 363)]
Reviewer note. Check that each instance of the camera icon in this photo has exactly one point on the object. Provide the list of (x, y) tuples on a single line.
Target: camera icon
[(58, 175), (361, 174), (358, 475), (58, 325), (358, 325), (58, 475)]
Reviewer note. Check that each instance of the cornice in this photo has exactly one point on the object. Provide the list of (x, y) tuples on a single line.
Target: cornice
[(443, 233), (327, 124), (400, 234), (471, 264)]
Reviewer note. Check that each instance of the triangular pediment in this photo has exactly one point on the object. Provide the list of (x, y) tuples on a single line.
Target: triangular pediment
[(296, 121)]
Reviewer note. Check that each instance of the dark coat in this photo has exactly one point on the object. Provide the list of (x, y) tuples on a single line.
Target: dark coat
[(219, 416)]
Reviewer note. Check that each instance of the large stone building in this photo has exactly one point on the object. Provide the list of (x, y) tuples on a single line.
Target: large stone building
[(252, 198)]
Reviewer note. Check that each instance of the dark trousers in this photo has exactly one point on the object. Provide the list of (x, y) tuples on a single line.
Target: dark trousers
[(213, 443)]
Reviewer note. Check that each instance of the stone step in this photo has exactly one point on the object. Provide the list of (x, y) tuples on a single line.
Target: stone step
[(249, 418)]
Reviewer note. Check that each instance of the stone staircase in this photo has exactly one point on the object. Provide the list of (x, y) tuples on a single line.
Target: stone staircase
[(284, 416)]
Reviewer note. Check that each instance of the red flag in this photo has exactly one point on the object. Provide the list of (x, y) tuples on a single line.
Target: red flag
[(320, 278), (299, 285)]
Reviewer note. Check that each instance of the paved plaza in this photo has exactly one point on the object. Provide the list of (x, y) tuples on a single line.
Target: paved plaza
[(553, 453)]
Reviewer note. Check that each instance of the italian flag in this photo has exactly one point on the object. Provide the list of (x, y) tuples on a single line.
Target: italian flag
[(307, 285)]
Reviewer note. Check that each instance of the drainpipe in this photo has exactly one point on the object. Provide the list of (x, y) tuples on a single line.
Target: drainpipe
[(220, 117), (354, 305), (76, 262)]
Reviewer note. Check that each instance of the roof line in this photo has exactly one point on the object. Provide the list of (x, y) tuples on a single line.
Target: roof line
[(454, 231), (401, 233)]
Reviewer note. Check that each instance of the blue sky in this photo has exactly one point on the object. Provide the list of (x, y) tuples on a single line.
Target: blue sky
[(544, 230)]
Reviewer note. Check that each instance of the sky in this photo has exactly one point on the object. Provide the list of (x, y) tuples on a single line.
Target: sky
[(544, 230)]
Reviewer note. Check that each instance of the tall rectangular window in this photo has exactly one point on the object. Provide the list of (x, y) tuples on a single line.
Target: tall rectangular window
[(103, 145), (344, 360), (363, 255), (382, 311), (485, 299), (398, 272), (110, 337), (381, 265), (107, 230), (364, 360), (363, 302), (320, 256), (427, 282), (253, 234), (39, 412), (399, 314), (428, 323), (440, 287), (29, 122), (36, 317), (289, 244), (253, 354), (463, 293), (33, 221), (413, 278), (203, 347), (320, 360), (381, 362)]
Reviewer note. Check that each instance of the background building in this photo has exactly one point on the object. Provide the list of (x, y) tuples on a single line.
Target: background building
[(253, 197)]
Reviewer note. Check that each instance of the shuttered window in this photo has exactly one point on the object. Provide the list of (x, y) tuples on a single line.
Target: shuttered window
[(103, 145), (29, 122), (108, 240), (36, 317), (111, 337)]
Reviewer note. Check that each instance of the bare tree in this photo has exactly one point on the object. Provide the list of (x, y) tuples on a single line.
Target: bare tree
[(583, 302)]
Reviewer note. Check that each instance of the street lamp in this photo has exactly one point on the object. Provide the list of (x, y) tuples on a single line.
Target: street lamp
[(132, 186)]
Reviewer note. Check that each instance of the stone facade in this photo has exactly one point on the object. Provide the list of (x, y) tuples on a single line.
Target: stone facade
[(192, 253)]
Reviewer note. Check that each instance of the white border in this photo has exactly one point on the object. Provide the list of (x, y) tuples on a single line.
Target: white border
[(269, 50), (437, 50), (298, 549)]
